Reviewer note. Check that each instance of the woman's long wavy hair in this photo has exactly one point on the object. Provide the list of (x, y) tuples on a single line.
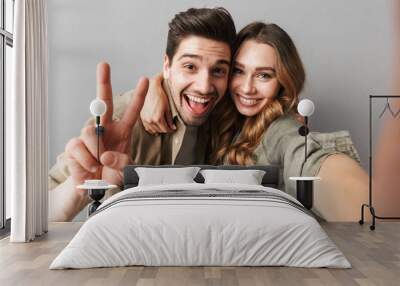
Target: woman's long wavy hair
[(226, 145)]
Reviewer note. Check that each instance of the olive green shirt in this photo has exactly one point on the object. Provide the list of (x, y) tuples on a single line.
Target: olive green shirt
[(187, 145), (282, 145)]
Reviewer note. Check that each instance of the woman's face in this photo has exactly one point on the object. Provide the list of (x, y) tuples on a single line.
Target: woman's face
[(254, 83)]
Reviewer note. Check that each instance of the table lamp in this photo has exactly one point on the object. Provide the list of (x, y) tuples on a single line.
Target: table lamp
[(306, 109), (304, 185), (97, 188)]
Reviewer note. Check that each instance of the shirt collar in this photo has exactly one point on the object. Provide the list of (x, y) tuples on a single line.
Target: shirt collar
[(174, 111)]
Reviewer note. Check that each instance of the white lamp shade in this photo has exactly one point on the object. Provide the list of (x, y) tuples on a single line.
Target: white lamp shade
[(98, 107), (306, 107)]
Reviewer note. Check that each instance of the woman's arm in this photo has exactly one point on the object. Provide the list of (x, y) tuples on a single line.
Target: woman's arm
[(331, 156), (156, 114), (342, 190), (344, 187), (387, 155)]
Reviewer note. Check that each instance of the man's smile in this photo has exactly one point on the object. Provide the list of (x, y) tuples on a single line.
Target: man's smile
[(199, 105)]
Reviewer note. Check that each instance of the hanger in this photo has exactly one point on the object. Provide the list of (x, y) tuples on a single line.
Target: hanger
[(387, 106)]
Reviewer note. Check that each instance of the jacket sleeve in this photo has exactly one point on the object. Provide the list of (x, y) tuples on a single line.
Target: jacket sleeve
[(283, 146)]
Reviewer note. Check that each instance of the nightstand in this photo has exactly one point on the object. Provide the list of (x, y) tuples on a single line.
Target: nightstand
[(305, 190), (96, 191)]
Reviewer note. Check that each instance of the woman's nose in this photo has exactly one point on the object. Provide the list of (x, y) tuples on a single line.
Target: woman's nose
[(248, 86)]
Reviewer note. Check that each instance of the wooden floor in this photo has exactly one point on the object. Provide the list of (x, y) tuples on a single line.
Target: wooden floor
[(375, 257)]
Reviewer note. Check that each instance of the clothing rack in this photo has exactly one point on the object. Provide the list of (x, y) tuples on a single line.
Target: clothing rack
[(370, 205)]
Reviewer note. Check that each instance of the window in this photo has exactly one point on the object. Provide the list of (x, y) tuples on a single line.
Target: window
[(6, 44)]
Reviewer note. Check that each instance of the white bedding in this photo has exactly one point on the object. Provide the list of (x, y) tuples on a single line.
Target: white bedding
[(267, 229)]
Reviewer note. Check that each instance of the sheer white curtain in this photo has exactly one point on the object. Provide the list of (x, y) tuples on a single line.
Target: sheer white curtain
[(26, 123)]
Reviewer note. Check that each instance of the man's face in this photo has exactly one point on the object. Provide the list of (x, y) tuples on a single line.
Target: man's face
[(197, 77)]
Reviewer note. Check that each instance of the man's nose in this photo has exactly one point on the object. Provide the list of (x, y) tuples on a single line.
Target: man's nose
[(248, 85), (204, 83)]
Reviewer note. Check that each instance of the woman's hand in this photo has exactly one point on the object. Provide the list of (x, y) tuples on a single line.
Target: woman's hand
[(156, 114)]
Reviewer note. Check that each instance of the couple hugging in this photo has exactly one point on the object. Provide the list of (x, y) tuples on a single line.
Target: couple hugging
[(222, 98)]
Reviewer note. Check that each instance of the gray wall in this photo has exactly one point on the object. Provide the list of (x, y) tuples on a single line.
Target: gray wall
[(346, 47)]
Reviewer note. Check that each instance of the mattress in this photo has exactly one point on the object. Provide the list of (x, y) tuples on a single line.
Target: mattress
[(201, 225)]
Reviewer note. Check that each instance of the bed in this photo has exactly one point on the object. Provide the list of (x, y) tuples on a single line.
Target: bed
[(201, 224)]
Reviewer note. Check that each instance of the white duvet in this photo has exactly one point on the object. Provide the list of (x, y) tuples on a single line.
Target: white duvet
[(265, 229)]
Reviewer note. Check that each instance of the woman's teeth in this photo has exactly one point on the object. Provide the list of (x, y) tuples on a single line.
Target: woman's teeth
[(198, 99), (247, 101)]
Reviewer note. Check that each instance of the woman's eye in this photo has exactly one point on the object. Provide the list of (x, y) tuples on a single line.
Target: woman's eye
[(264, 76)]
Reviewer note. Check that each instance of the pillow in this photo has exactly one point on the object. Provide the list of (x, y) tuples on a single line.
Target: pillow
[(248, 177), (163, 176)]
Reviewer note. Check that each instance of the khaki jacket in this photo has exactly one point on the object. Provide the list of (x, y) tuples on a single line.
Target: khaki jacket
[(283, 146)]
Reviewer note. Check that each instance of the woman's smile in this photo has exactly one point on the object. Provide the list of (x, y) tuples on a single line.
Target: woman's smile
[(247, 101)]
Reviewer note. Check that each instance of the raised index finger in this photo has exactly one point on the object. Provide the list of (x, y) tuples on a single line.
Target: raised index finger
[(135, 105), (104, 90)]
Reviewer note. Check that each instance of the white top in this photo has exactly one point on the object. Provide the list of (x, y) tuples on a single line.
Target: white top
[(304, 178)]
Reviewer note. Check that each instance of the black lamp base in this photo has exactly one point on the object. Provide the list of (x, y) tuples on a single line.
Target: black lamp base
[(96, 195), (305, 192)]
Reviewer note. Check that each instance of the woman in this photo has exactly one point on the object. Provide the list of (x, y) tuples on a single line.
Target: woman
[(258, 124)]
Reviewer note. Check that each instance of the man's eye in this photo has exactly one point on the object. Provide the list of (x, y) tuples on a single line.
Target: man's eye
[(237, 71), (189, 66), (219, 71)]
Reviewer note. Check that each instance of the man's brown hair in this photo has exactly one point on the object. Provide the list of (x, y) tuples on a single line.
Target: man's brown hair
[(211, 23)]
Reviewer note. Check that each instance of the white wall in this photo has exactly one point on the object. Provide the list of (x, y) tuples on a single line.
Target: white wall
[(345, 45)]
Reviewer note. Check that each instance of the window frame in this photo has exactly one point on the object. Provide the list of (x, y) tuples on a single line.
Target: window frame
[(6, 39)]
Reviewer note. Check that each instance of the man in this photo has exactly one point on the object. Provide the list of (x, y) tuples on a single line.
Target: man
[(196, 68)]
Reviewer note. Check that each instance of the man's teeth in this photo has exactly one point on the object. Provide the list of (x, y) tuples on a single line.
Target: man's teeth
[(198, 99), (247, 101)]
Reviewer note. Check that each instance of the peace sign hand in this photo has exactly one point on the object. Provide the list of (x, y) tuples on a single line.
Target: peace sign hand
[(115, 144)]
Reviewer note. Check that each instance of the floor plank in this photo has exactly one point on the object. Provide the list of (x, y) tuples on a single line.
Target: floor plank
[(374, 255)]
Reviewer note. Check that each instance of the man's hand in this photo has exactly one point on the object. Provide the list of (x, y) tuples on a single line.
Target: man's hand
[(115, 143)]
